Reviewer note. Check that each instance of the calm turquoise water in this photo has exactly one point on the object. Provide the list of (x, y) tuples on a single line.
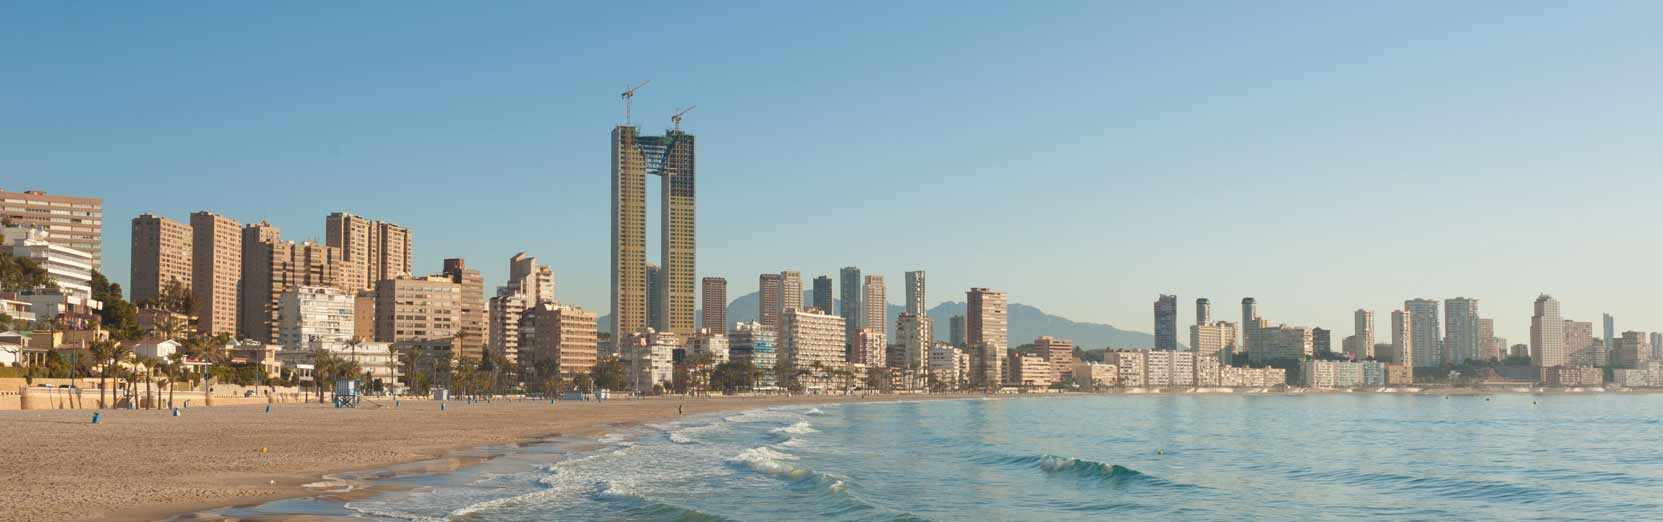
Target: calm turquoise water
[(1269, 457)]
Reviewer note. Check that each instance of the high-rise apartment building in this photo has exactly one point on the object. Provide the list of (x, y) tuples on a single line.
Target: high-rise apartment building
[(216, 271), (527, 276), (565, 338), (1580, 346), (375, 250), (634, 157), (1490, 347), (869, 346), (70, 221), (956, 331), (1203, 311), (874, 305), (1547, 333), (1360, 345), (271, 267), (1059, 352), (418, 309), (1282, 342), (986, 333), (1609, 345), (161, 257), (1461, 338), (770, 296), (914, 332), (713, 294), (823, 297), (529, 284), (849, 289), (1322, 340), (1249, 321), (916, 303), (756, 343), (655, 307), (791, 290), (1632, 350), (1166, 322), (1427, 335), (472, 328), (308, 314), (1403, 338), (1214, 340)]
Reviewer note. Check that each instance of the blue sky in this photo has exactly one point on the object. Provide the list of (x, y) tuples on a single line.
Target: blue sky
[(1084, 157)]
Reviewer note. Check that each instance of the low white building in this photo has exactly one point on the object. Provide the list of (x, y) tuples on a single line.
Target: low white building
[(69, 268), (322, 313), (949, 365), (374, 358), (160, 349), (1088, 374)]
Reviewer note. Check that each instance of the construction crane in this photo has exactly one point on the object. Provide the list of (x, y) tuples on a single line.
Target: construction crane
[(676, 119), (627, 95)]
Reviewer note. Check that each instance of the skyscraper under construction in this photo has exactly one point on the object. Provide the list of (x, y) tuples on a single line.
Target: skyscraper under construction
[(634, 157)]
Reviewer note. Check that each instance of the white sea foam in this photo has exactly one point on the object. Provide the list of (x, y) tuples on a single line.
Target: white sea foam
[(800, 428), (680, 438), (768, 460), (814, 411)]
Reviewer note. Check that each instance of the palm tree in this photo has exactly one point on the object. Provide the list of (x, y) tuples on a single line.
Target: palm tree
[(323, 368), (150, 364)]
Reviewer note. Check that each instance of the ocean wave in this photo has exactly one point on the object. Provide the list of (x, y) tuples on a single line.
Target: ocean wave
[(680, 438), (379, 509), (814, 411), (800, 428), (1086, 470), (633, 506), (769, 461), (762, 416)]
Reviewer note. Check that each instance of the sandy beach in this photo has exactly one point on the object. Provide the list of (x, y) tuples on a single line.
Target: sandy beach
[(143, 465)]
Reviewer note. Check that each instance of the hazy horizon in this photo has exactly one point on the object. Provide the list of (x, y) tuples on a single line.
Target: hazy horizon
[(1081, 157)]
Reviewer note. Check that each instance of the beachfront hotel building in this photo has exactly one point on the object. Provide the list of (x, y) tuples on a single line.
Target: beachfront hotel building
[(1425, 333), (1166, 322), (1132, 365), (307, 313), (713, 296), (671, 158), (752, 341), (809, 338), (424, 310), (706, 342), (72, 222), (848, 304), (216, 271), (770, 295), (376, 250), (949, 365), (986, 331), (1060, 352), (563, 337), (161, 257), (1087, 374), (1031, 371), (914, 332)]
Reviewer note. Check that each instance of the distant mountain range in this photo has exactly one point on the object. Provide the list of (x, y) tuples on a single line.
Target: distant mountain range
[(1026, 324)]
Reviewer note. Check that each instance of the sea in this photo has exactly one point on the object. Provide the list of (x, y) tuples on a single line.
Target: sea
[(1339, 456)]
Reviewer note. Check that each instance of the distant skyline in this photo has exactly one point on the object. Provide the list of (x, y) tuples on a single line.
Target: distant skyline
[(1081, 157)]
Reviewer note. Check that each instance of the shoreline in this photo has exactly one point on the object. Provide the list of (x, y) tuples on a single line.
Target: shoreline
[(149, 465), (146, 464)]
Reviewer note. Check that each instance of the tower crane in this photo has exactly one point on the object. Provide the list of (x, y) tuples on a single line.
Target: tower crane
[(627, 95), (676, 119)]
